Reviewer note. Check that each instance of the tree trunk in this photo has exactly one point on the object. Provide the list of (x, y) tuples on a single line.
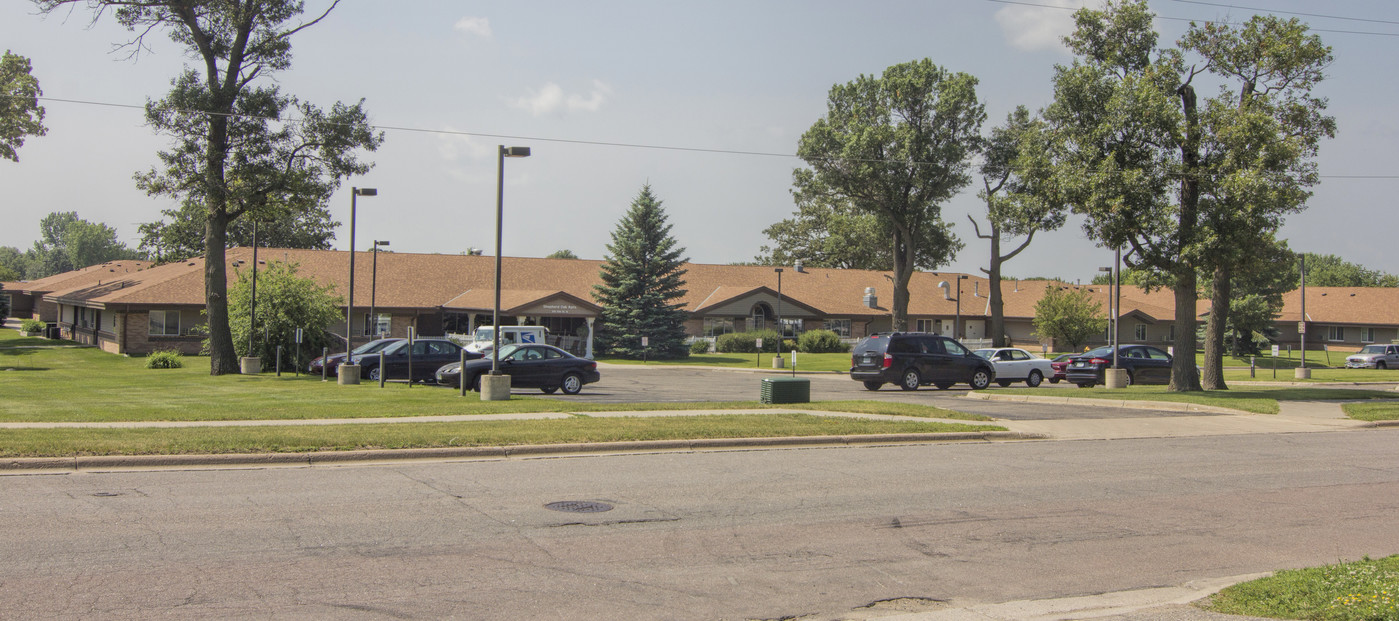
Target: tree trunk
[(1215, 329), (1184, 376), (998, 320), (903, 273), (223, 360)]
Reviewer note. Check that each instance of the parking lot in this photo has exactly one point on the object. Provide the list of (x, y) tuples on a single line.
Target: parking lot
[(632, 383)]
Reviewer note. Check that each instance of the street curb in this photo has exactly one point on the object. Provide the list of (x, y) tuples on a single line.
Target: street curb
[(21, 465), (1169, 406)]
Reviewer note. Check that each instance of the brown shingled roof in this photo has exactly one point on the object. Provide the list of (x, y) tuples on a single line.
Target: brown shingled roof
[(87, 276)]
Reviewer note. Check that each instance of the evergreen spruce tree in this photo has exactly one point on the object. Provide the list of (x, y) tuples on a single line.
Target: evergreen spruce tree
[(641, 279)]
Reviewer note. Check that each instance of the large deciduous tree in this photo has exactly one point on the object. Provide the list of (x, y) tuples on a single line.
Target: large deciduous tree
[(1259, 139), (1069, 316), (233, 151), (20, 112), (1329, 270), (641, 279), (1020, 199), (897, 146), (67, 242)]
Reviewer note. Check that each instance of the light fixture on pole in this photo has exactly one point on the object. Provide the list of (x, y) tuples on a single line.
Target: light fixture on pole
[(350, 304), (374, 286), (503, 152), (781, 329)]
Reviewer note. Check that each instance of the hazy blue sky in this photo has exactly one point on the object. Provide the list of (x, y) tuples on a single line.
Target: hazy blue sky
[(744, 76)]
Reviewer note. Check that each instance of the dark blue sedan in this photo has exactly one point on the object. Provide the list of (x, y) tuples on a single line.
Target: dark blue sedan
[(545, 367)]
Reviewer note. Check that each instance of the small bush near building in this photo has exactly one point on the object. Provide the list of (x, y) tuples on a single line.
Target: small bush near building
[(165, 359), (821, 342), (32, 325), (746, 342), (699, 347)]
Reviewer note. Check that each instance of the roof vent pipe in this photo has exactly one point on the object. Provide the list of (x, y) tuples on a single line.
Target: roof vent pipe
[(797, 266), (946, 292), (976, 288), (871, 300)]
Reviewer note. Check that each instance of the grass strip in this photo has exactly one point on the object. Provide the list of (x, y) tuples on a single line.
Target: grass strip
[(304, 438), (1256, 399), (1373, 410), (1364, 590), (829, 363)]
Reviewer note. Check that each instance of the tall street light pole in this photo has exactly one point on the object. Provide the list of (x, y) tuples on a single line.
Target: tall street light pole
[(374, 285), (781, 329), (504, 152), (350, 305), (252, 308)]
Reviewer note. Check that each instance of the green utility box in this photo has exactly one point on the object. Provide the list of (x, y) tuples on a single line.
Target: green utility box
[(786, 390)]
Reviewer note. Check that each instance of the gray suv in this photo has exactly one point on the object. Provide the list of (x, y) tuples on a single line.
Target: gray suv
[(1374, 357)]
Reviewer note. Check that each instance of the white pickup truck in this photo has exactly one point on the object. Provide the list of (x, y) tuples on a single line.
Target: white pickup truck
[(484, 338), (1374, 357)]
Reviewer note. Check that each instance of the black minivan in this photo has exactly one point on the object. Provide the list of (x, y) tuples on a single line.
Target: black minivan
[(916, 359)]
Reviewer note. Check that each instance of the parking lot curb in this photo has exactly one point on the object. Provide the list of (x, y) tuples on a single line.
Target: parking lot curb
[(1169, 406), (27, 465)]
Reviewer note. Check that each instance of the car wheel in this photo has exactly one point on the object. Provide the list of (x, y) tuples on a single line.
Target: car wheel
[(1129, 378), (871, 385), (1035, 378), (476, 383), (981, 378), (1003, 383), (1054, 380), (374, 374), (549, 390), (1380, 365), (943, 385), (572, 383), (911, 380)]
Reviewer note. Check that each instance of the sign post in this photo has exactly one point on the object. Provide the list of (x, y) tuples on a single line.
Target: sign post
[(298, 352), (759, 362), (645, 348)]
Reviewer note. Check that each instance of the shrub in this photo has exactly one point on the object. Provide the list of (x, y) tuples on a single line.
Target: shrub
[(32, 325), (165, 359), (788, 345), (746, 342), (699, 346), (821, 342)]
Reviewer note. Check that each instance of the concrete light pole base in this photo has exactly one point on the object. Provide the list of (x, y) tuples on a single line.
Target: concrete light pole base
[(1114, 378), (250, 365), (1302, 373), (348, 374), (495, 387), (777, 362)]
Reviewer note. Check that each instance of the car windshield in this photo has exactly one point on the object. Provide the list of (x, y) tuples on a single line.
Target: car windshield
[(506, 350), (985, 353), (484, 334), (1101, 352), (373, 346), (1372, 349)]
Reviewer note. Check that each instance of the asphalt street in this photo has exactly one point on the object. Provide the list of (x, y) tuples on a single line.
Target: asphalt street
[(835, 533)]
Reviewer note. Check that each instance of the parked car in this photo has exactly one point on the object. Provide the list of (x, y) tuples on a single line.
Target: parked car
[(545, 367), (915, 359), (1374, 357), (333, 361), (1144, 365), (1013, 364), (428, 355), (1061, 367)]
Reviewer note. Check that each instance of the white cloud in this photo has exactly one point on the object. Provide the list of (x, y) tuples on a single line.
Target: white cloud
[(455, 146), (479, 26), (1036, 28), (551, 98)]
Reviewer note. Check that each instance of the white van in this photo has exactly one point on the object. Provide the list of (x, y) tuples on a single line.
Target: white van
[(484, 338)]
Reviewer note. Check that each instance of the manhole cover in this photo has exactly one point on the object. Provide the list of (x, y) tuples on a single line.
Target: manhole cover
[(578, 506)]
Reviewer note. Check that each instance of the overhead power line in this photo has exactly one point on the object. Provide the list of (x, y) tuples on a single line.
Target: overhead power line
[(1192, 19), (597, 143)]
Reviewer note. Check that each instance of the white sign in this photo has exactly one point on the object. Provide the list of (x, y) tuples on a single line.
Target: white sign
[(760, 343), (645, 341), (1275, 351), (1301, 327)]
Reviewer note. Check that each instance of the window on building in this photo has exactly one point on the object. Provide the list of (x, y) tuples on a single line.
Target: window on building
[(165, 323), (925, 325), (838, 326), (1367, 335), (1170, 334), (791, 327), (715, 326), (1335, 333), (377, 325), (1141, 332)]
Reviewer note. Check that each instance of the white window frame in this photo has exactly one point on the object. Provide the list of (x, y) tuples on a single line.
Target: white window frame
[(383, 319), (165, 323), (718, 326), (1367, 335), (925, 325), (1335, 333)]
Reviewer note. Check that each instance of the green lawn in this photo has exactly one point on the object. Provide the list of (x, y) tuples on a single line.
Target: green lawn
[(1364, 590), (1372, 411), (45, 381), (1258, 399)]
